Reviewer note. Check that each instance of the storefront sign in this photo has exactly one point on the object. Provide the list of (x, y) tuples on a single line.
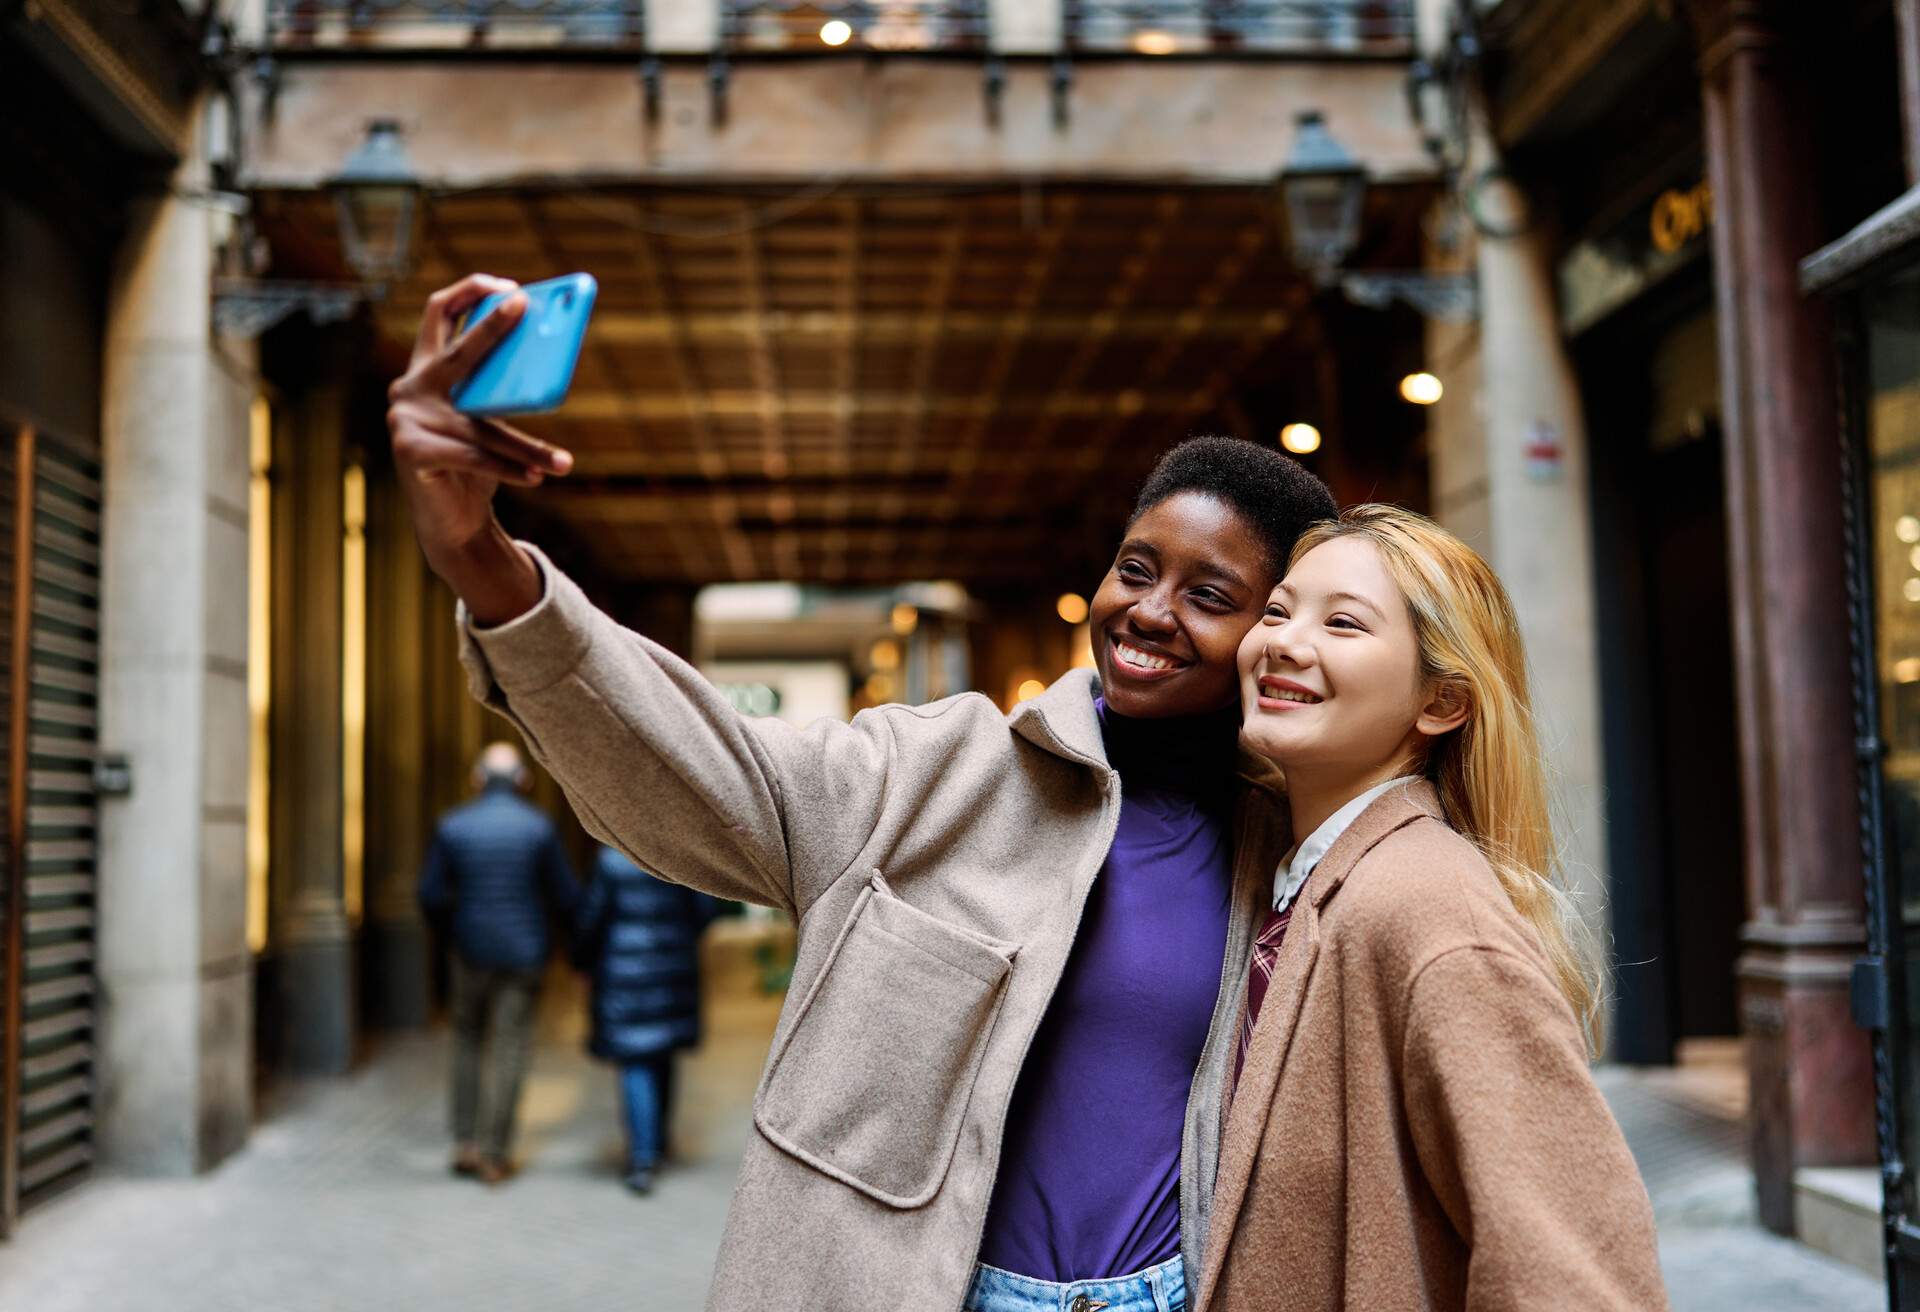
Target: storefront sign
[(752, 698), (1677, 217), (1606, 271)]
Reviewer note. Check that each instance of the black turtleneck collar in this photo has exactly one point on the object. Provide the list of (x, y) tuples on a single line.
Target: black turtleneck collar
[(1190, 754)]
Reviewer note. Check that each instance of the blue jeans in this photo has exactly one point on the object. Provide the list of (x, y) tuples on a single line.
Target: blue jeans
[(1160, 1288), (646, 1093)]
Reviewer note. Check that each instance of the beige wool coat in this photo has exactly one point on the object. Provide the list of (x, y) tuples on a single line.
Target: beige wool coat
[(1416, 1126), (936, 860)]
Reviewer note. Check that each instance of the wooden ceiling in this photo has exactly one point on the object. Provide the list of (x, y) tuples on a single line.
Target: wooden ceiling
[(867, 386)]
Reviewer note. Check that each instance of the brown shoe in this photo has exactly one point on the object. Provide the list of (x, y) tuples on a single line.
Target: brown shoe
[(493, 1171), (466, 1160)]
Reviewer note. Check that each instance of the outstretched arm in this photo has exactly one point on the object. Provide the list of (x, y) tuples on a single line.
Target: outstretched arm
[(654, 761)]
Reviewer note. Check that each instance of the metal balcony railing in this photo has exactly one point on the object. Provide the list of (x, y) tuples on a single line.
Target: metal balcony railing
[(748, 27), (397, 25), (821, 26), (1225, 27)]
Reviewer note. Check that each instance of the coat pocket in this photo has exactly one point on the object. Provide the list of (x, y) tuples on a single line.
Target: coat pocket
[(873, 1078)]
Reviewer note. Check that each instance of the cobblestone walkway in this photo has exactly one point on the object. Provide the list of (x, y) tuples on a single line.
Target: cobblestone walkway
[(342, 1201)]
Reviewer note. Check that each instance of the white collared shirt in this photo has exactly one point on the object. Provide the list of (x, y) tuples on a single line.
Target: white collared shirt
[(1300, 862)]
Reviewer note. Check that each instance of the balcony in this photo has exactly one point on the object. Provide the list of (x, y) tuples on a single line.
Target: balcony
[(748, 28)]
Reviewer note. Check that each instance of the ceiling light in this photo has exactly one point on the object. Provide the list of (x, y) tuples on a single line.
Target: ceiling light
[(1301, 439), (1421, 389), (1072, 607), (835, 32)]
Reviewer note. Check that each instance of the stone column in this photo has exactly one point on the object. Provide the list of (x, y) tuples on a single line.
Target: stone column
[(175, 1041), (311, 939), (1509, 446), (1809, 1066), (399, 815)]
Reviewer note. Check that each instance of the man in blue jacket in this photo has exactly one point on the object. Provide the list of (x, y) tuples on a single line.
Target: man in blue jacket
[(495, 879), (639, 937)]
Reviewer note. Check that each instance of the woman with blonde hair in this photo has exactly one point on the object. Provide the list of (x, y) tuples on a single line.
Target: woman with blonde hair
[(1412, 1122)]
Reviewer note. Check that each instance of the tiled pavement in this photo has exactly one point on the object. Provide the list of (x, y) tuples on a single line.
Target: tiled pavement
[(342, 1201), (1715, 1258)]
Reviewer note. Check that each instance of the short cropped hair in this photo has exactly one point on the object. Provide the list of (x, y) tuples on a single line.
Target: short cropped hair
[(1274, 493)]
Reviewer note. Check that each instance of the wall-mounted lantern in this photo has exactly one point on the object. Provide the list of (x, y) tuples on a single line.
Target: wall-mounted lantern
[(376, 196), (1322, 187)]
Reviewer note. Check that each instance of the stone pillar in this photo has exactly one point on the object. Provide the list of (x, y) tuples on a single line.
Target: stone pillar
[(399, 815), (311, 938), (1809, 1066), (1508, 444), (175, 1040)]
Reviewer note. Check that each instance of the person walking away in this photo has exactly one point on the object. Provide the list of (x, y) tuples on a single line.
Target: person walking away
[(495, 879), (638, 937)]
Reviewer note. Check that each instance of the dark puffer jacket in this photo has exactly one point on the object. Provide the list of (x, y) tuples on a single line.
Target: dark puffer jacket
[(495, 880), (640, 938)]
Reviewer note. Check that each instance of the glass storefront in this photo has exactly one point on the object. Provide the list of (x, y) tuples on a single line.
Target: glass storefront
[(1889, 541)]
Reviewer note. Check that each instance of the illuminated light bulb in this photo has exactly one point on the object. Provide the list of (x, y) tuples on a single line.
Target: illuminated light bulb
[(1154, 42), (884, 655), (1072, 607), (1029, 690), (1301, 439), (1911, 589), (1421, 389), (835, 32), (905, 619), (1907, 528), (1907, 671)]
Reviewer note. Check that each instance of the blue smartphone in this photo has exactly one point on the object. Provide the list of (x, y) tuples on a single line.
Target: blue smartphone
[(529, 371)]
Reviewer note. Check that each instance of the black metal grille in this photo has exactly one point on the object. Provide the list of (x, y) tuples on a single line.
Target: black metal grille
[(1141, 27), (457, 24), (1170, 27), (864, 25)]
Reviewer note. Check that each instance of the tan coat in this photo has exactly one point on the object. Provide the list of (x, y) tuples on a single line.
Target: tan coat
[(1416, 1126), (936, 860)]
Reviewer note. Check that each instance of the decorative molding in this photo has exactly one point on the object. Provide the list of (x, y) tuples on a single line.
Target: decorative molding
[(1549, 46), (166, 123)]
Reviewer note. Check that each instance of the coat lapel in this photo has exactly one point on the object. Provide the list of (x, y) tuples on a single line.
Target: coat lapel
[(1063, 721), (1249, 1112)]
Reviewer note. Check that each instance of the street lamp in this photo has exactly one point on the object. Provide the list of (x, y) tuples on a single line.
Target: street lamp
[(1322, 186), (376, 195)]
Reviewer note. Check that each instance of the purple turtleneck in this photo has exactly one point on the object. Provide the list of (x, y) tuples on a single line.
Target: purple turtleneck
[(1089, 1182)]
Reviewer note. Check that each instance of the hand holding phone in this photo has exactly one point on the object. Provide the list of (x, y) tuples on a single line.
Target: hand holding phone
[(530, 370)]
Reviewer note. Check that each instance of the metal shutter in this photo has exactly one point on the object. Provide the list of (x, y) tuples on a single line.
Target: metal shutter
[(51, 681)]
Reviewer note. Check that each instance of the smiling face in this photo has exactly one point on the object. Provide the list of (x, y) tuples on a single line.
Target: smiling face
[(1329, 676), (1167, 621)]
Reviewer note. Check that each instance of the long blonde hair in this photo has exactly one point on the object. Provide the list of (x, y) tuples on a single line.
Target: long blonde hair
[(1488, 771)]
